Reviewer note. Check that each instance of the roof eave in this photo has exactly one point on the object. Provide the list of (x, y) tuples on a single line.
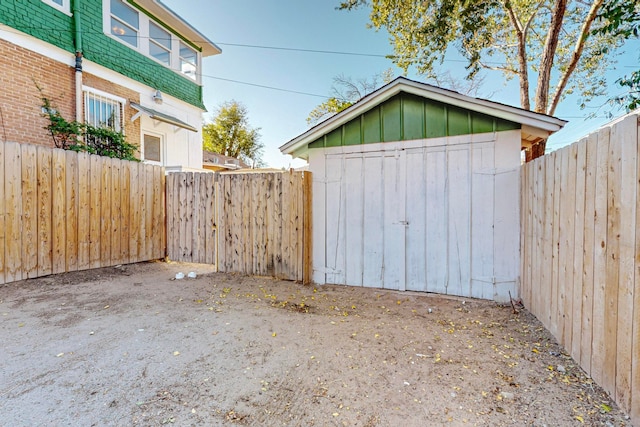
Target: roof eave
[(172, 19)]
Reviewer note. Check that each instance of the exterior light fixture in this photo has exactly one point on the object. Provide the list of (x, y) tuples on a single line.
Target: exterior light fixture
[(157, 97)]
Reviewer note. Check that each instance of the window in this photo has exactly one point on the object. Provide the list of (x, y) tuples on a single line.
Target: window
[(61, 5), (159, 44), (152, 148), (102, 110), (188, 61), (125, 22)]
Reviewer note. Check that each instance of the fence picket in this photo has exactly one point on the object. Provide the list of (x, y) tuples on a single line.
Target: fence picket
[(71, 210), (627, 139), (58, 211), (578, 245), (29, 211), (84, 211), (45, 202), (588, 260), (3, 210), (612, 266), (635, 319)]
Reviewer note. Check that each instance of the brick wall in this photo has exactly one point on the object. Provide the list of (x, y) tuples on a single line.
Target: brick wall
[(21, 117)]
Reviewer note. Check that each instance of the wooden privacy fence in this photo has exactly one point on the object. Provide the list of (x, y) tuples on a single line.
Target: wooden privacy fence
[(64, 211), (251, 223), (580, 248)]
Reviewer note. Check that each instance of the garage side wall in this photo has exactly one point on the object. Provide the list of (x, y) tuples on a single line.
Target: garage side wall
[(431, 215)]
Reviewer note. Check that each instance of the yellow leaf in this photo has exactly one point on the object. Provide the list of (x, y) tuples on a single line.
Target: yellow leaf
[(273, 334), (176, 353), (579, 418), (535, 350), (335, 414)]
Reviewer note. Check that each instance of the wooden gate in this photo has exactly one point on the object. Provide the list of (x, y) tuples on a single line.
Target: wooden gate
[(247, 222)]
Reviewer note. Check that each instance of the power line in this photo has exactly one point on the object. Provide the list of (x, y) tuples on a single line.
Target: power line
[(266, 87), (293, 49)]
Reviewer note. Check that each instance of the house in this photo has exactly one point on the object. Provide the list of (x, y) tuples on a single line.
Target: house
[(133, 66), (417, 188), (219, 162)]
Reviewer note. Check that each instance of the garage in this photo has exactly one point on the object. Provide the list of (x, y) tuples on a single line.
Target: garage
[(417, 188)]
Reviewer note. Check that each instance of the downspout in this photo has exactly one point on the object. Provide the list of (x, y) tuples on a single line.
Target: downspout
[(78, 45)]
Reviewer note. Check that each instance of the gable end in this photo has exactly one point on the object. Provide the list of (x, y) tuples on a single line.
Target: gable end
[(406, 117)]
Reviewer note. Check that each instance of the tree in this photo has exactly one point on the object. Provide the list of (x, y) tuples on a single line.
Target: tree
[(622, 18), (230, 134), (345, 92), (548, 45)]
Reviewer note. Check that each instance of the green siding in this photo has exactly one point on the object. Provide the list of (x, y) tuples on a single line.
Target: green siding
[(352, 133), (391, 120), (46, 23), (413, 118), (436, 119), (39, 20), (407, 117), (334, 139), (371, 126), (458, 121)]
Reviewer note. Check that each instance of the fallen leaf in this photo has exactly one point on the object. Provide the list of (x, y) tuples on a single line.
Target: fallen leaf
[(605, 408), (59, 354), (176, 353), (579, 418), (273, 334)]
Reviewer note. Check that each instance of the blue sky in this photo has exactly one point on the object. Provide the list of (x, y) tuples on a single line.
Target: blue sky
[(317, 25)]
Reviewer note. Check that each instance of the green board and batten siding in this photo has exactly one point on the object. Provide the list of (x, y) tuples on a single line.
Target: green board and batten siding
[(406, 117), (42, 21)]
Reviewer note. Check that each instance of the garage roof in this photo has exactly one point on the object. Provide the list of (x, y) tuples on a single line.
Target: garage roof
[(535, 127)]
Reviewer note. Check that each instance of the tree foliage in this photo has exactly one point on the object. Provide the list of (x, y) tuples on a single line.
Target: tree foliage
[(345, 92), (622, 18), (230, 134), (548, 45)]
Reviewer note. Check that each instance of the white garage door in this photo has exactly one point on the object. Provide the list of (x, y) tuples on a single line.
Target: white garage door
[(437, 215)]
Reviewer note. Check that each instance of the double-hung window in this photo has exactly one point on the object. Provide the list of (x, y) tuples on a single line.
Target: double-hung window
[(125, 22), (159, 44), (188, 61)]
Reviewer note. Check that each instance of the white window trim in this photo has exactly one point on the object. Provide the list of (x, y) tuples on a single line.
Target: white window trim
[(104, 94), (143, 42), (65, 8), (163, 146)]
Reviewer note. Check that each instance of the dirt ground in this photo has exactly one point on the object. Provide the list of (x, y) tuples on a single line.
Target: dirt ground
[(133, 346)]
